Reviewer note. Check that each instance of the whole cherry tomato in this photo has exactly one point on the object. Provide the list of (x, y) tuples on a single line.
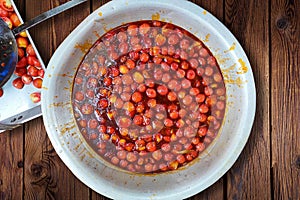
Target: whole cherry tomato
[(32, 60), (30, 51), (20, 71), (18, 83), (3, 13), (27, 79), (41, 73), (35, 97), (15, 19), (38, 82), (32, 71), (22, 63)]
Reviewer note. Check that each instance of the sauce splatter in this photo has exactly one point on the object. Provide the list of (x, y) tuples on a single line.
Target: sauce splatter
[(243, 69), (156, 16), (100, 14), (84, 47), (204, 12), (231, 48), (59, 104)]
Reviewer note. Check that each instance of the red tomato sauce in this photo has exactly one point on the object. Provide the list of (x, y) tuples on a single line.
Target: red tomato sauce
[(149, 97)]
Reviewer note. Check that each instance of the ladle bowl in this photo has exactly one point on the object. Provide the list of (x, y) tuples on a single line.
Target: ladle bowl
[(8, 53)]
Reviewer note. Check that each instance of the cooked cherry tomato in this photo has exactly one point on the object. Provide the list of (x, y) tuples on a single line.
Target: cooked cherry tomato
[(41, 73), (6, 5), (22, 42), (30, 51), (33, 71), (20, 71), (23, 34), (38, 82), (27, 79), (8, 22), (18, 83), (1, 92), (35, 97), (21, 53), (32, 60), (22, 63)]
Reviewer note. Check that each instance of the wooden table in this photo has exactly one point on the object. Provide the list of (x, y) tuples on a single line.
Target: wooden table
[(269, 166)]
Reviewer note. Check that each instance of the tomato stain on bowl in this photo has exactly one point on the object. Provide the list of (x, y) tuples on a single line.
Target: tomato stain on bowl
[(204, 12), (206, 38), (122, 128), (59, 104), (243, 69)]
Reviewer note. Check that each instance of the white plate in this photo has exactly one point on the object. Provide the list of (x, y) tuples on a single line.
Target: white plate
[(213, 163), (16, 105)]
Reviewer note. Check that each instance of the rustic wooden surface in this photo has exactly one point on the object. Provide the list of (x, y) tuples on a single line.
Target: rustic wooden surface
[(269, 166)]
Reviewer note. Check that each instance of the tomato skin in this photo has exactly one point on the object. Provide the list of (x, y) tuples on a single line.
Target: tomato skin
[(38, 82), (18, 83), (15, 19), (1, 92), (6, 5), (22, 42), (30, 50), (41, 73), (8, 22), (35, 97), (22, 63), (33, 71), (20, 71), (32, 60), (27, 79), (21, 53)]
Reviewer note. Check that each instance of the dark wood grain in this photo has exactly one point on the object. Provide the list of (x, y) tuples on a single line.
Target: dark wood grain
[(250, 177), (285, 97), (11, 164), (269, 166), (94, 5), (216, 191)]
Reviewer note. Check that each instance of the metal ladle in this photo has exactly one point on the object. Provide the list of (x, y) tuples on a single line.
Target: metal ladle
[(8, 45)]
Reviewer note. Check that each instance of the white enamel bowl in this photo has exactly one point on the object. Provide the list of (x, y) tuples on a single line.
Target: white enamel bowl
[(211, 165)]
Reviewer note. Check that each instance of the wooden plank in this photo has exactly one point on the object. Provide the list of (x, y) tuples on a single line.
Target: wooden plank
[(97, 3), (11, 164), (285, 96), (94, 5), (12, 153), (249, 178), (46, 176)]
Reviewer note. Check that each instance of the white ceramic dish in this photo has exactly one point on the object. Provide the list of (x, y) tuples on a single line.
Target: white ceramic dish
[(213, 163)]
